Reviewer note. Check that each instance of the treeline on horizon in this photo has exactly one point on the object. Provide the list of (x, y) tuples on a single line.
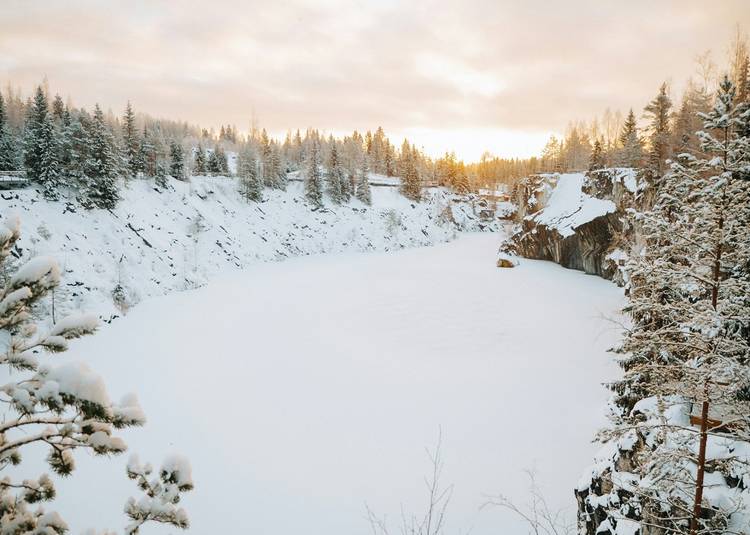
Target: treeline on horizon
[(59, 145)]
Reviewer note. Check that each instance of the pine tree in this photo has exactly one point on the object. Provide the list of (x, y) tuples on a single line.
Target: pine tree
[(597, 157), (659, 132), (362, 191), (630, 142), (270, 175), (199, 166), (62, 409), (50, 173), (313, 176), (299, 151), (552, 156), (76, 146), (131, 143), (41, 147), (689, 340), (390, 164), (411, 182), (162, 175), (177, 161), (251, 184), (222, 161), (101, 167), (335, 176), (279, 168), (213, 166), (8, 156), (58, 109), (147, 154)]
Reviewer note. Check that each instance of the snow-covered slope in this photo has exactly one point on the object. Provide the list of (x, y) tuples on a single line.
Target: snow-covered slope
[(568, 207), (156, 242)]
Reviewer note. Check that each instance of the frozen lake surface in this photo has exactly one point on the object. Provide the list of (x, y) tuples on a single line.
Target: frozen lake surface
[(301, 390)]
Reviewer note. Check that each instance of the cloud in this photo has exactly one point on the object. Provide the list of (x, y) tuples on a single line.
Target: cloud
[(525, 67)]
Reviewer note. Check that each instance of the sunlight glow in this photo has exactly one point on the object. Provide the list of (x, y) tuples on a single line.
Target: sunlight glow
[(470, 143)]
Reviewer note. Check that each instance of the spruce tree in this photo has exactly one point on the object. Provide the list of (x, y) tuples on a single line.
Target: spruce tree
[(162, 175), (335, 176), (147, 154), (131, 143), (279, 167), (8, 156), (199, 164), (298, 151), (597, 157), (630, 142), (251, 184), (658, 111), (58, 109), (362, 191), (213, 165), (177, 160), (101, 167), (390, 165), (41, 147), (222, 160), (411, 182), (269, 173), (313, 176), (50, 175), (77, 144), (688, 343)]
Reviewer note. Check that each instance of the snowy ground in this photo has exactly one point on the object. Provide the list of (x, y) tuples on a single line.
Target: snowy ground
[(303, 389)]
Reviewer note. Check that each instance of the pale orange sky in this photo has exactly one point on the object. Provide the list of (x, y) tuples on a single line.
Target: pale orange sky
[(471, 75)]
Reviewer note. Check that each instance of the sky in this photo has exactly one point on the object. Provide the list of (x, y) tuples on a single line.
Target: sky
[(472, 76)]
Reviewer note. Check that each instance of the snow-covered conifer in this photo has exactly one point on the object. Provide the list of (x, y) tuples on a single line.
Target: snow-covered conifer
[(411, 182), (101, 190), (131, 143), (631, 149), (58, 109), (688, 345), (41, 147), (597, 157), (269, 174), (147, 154), (8, 155), (213, 164), (61, 408), (313, 175), (362, 191), (176, 160), (335, 176), (278, 167), (658, 111), (251, 184), (76, 146), (199, 164)]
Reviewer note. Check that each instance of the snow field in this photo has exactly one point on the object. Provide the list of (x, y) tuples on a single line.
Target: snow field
[(301, 390)]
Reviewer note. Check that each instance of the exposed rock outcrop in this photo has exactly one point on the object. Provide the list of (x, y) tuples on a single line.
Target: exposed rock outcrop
[(589, 249), (576, 220)]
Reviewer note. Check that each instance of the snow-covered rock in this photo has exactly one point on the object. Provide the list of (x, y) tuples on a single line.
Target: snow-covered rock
[(576, 220)]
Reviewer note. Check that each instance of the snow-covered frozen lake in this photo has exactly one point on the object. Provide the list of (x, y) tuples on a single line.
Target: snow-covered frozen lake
[(301, 390)]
